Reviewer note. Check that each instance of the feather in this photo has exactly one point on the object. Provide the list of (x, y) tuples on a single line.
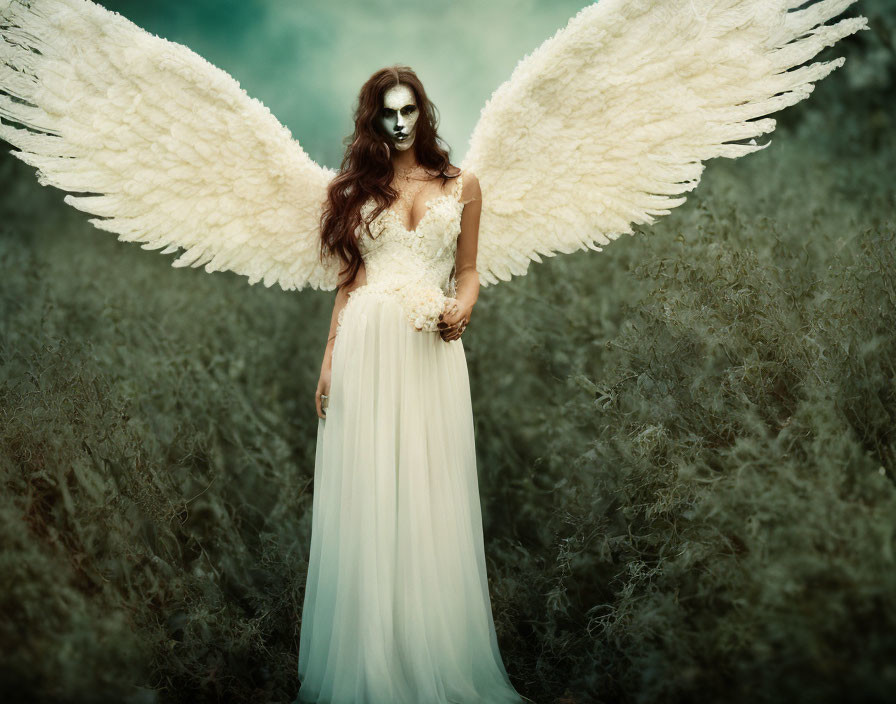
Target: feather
[(176, 154), (607, 123)]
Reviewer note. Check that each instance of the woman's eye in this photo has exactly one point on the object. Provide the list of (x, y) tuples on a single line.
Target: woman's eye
[(408, 110), (388, 112)]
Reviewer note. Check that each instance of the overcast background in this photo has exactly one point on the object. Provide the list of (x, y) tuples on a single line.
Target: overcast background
[(307, 60)]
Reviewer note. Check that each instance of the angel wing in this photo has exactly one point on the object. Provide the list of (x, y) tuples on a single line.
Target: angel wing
[(168, 149), (607, 123)]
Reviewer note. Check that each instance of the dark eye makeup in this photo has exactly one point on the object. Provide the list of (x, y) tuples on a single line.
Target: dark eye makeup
[(406, 110)]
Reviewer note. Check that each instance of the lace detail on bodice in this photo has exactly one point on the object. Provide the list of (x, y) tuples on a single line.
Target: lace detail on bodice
[(415, 267)]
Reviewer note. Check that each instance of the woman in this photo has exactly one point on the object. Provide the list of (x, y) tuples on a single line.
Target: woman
[(396, 602)]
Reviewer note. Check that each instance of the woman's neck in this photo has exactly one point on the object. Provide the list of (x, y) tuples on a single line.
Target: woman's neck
[(403, 161)]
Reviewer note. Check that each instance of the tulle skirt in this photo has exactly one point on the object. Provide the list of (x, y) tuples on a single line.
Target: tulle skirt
[(396, 607)]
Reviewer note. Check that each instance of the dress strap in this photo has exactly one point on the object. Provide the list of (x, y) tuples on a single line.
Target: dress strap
[(459, 186)]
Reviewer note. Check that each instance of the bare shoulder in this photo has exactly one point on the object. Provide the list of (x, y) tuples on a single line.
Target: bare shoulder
[(472, 191)]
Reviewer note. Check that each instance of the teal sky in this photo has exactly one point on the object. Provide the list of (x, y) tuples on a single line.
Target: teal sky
[(307, 59)]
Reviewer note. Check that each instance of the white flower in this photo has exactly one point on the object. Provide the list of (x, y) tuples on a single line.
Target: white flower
[(423, 303)]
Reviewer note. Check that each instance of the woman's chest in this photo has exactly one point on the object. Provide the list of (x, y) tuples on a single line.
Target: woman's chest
[(434, 236)]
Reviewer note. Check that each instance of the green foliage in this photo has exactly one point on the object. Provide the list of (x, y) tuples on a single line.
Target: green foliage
[(157, 469), (686, 445), (705, 413)]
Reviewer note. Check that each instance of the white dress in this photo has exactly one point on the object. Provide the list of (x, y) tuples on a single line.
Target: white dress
[(396, 607)]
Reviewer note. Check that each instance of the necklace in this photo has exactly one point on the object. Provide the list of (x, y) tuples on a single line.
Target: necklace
[(406, 175), (406, 194)]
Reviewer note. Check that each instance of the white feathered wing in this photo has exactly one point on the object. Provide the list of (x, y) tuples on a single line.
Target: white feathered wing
[(607, 123), (179, 155)]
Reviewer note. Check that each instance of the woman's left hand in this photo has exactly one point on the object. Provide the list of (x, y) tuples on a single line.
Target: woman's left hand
[(454, 318)]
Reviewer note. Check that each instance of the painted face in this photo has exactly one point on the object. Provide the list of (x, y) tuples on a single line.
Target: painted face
[(398, 116)]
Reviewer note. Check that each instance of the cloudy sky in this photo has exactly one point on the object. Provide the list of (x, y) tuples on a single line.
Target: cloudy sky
[(307, 59)]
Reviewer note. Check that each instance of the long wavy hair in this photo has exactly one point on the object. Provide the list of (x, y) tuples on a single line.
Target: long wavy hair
[(366, 170)]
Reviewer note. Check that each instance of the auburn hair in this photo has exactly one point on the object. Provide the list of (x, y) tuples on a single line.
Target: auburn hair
[(366, 170)]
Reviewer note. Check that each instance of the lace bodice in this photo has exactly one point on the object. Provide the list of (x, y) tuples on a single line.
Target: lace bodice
[(416, 267)]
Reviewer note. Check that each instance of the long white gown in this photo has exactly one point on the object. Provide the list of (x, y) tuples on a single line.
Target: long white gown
[(396, 607)]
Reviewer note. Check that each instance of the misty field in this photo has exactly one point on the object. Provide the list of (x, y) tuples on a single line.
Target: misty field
[(686, 443)]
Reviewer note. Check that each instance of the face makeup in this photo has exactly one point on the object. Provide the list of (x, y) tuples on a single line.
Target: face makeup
[(398, 116)]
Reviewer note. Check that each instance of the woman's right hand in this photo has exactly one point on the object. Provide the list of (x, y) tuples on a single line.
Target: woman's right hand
[(323, 388)]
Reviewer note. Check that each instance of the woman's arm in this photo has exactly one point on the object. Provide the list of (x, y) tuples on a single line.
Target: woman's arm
[(323, 383), (453, 321)]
